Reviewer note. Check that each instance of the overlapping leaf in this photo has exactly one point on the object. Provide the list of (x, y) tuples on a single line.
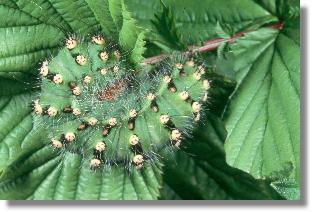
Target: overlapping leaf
[(68, 15), (24, 40), (103, 16), (196, 20), (16, 125), (41, 174), (264, 113)]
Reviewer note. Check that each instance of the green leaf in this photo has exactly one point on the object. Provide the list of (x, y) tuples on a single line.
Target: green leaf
[(9, 3), (271, 5), (196, 20), (263, 116), (206, 15), (202, 172), (128, 33), (166, 31), (115, 8), (139, 48), (43, 11), (71, 16), (131, 38), (223, 31), (25, 41), (280, 8), (16, 124), (42, 174), (102, 14)]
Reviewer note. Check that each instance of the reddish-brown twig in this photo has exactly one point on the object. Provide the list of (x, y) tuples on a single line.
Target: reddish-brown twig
[(209, 45)]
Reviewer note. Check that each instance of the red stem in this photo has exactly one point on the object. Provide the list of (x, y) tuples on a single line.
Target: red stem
[(209, 45)]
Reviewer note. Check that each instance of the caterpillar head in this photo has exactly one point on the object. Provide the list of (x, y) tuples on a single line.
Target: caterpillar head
[(95, 104)]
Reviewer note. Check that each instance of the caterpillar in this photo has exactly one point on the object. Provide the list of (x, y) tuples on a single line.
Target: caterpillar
[(94, 103)]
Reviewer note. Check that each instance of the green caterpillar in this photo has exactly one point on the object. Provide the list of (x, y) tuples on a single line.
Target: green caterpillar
[(96, 105)]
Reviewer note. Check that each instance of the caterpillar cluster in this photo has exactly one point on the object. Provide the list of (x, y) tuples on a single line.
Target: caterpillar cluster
[(93, 103)]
